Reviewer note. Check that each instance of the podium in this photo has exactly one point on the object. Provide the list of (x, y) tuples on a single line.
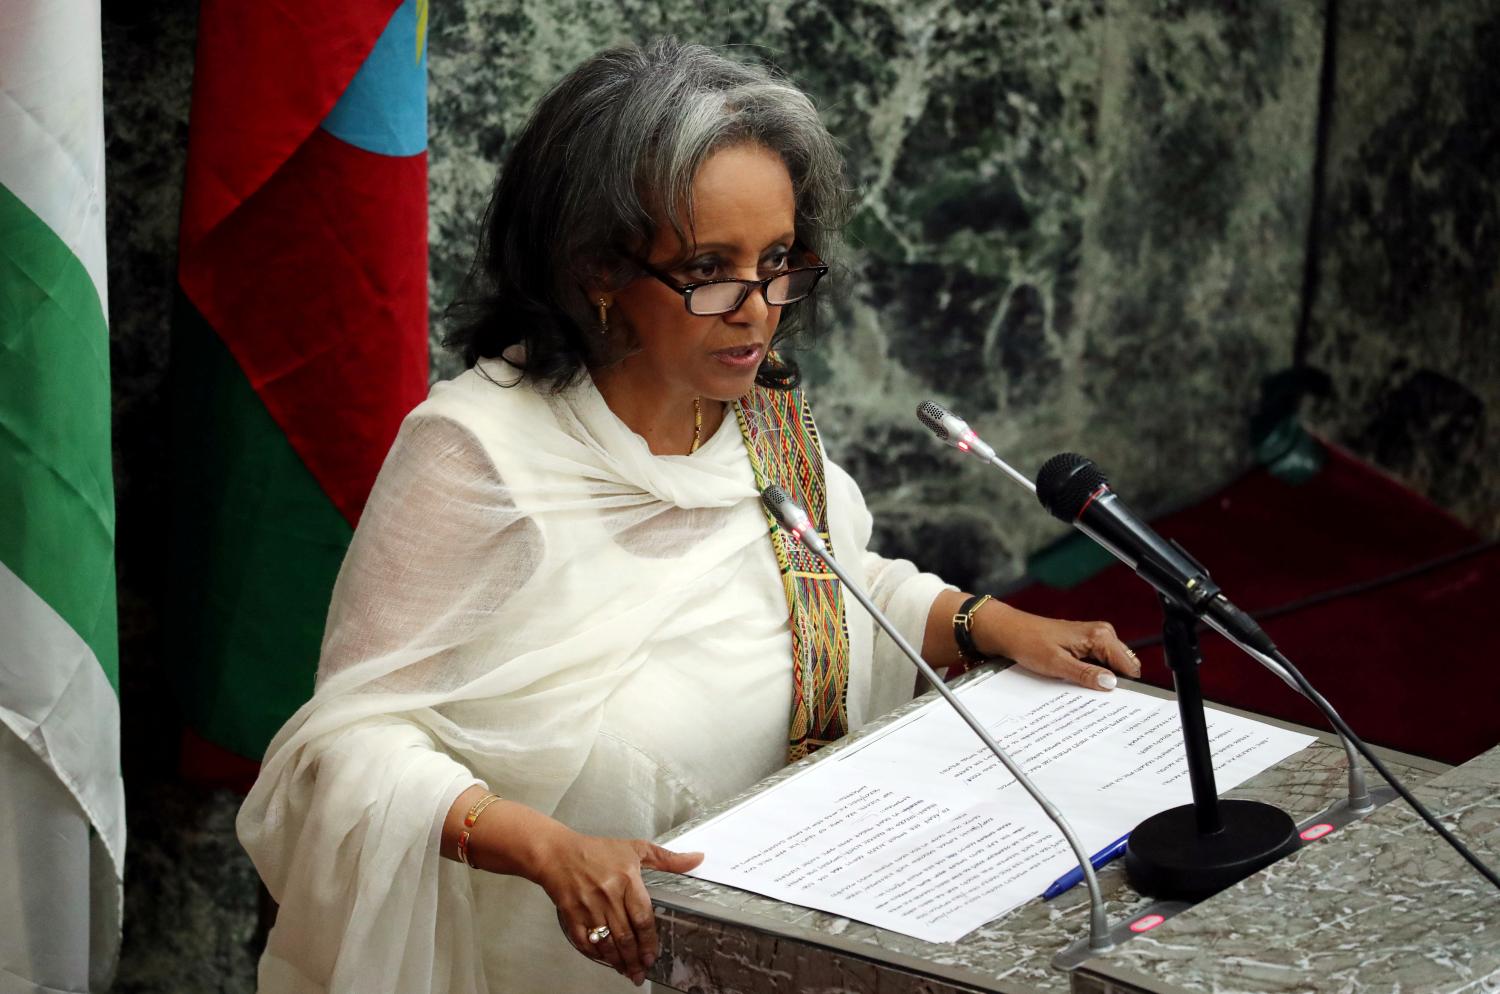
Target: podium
[(1381, 904)]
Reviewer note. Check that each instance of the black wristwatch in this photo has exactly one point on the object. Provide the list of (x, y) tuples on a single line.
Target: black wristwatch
[(963, 628)]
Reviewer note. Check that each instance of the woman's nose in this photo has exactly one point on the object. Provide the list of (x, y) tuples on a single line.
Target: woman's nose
[(752, 309)]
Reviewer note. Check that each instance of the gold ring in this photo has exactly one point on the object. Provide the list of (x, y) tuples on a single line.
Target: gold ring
[(1132, 654), (599, 934)]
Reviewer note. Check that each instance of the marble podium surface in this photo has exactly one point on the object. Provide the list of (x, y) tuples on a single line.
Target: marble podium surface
[(719, 940), (1382, 905)]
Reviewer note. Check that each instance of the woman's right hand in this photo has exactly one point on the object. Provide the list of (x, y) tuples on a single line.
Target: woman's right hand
[(597, 881), (593, 881)]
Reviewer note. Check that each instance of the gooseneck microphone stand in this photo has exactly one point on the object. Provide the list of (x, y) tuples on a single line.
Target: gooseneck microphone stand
[(795, 521)]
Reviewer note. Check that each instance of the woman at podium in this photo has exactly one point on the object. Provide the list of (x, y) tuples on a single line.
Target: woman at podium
[(565, 624)]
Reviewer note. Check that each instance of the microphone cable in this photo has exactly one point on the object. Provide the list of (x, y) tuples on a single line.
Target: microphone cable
[(1312, 694), (1349, 590)]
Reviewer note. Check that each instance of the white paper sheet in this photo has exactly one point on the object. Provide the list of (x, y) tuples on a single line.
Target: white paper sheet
[(919, 829)]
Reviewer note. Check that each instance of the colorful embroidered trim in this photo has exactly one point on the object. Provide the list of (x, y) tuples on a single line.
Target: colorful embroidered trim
[(784, 450)]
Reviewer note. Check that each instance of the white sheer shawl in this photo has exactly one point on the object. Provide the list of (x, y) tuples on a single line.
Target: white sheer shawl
[(519, 555)]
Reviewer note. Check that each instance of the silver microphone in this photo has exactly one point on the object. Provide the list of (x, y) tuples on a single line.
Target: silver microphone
[(793, 519), (953, 430), (796, 521)]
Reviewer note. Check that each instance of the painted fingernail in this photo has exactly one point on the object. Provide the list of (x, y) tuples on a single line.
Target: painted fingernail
[(1106, 681)]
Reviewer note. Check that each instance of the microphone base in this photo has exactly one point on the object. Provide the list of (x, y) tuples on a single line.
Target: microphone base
[(1167, 858)]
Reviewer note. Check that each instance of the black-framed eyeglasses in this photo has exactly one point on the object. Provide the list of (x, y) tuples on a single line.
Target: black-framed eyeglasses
[(711, 297)]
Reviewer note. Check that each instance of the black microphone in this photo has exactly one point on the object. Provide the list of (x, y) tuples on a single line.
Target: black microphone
[(1074, 490)]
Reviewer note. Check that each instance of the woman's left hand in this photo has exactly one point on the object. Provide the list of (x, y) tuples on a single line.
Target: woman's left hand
[(1081, 652)]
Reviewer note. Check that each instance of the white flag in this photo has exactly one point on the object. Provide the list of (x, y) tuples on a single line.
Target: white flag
[(62, 806)]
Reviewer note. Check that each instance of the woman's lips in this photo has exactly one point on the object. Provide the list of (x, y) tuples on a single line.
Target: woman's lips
[(740, 356)]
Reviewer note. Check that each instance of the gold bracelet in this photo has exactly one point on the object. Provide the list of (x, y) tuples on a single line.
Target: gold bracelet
[(469, 820)]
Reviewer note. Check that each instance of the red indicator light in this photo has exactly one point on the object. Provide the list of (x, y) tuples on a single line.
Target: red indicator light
[(1317, 831), (1146, 923), (963, 445)]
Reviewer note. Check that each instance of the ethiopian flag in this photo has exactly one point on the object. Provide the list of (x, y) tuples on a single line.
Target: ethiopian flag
[(62, 802), (301, 336)]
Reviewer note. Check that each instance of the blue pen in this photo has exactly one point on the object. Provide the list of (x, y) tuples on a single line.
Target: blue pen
[(1073, 877)]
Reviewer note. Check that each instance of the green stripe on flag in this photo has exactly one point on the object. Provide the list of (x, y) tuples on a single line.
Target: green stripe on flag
[(57, 522), (256, 547)]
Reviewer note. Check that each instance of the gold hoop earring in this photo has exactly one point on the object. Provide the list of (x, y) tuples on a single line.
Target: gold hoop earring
[(603, 317)]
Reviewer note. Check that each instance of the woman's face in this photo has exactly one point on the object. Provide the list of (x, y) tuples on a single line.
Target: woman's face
[(742, 226)]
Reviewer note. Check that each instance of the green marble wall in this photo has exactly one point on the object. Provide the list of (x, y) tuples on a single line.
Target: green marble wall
[(1083, 225), (1407, 315)]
